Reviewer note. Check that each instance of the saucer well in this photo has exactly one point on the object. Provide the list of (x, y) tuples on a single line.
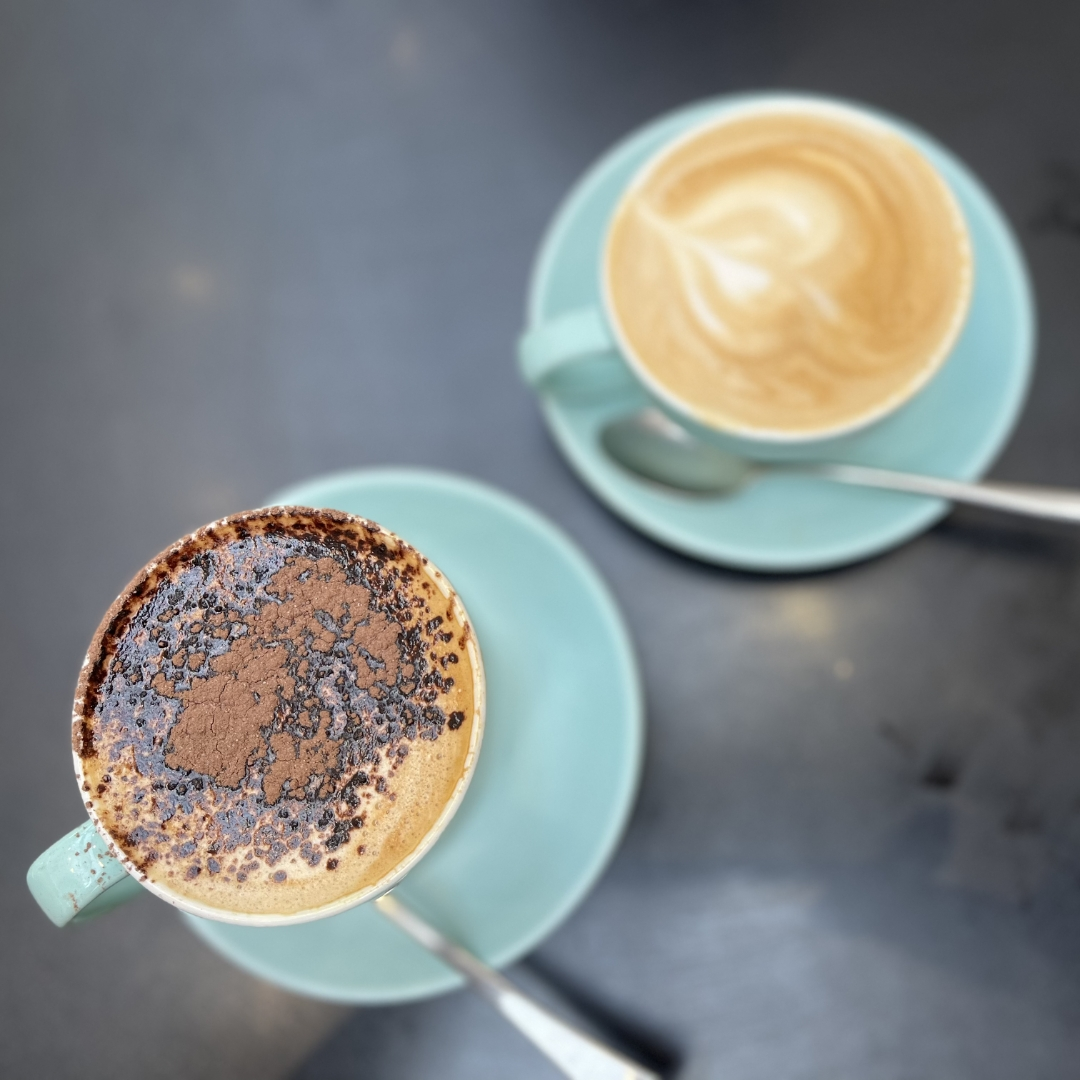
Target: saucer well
[(558, 769), (954, 428)]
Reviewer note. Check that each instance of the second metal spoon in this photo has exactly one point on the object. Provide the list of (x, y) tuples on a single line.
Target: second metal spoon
[(651, 445), (575, 1052)]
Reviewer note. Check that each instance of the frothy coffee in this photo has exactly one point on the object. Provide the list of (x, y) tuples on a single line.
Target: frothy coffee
[(277, 712), (788, 271)]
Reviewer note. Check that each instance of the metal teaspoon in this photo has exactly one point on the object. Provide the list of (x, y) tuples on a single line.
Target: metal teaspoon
[(578, 1055), (651, 445)]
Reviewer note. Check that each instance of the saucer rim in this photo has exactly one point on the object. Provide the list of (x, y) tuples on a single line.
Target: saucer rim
[(701, 542), (623, 798)]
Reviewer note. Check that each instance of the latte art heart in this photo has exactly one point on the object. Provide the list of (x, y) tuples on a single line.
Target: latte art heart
[(788, 272)]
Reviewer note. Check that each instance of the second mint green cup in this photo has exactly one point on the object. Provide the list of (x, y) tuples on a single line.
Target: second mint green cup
[(555, 356)]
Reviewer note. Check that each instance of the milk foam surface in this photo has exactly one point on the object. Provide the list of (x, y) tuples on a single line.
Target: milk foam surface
[(788, 271), (277, 712)]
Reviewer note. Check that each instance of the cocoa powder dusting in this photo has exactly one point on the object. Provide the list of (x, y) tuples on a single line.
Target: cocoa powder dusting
[(312, 618)]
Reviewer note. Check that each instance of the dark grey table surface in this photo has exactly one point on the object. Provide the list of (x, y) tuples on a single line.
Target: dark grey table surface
[(244, 243)]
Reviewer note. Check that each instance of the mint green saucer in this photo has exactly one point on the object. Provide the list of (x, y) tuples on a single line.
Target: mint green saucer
[(955, 427), (558, 769)]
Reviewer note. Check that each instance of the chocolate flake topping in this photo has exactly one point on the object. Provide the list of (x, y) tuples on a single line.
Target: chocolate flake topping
[(261, 687)]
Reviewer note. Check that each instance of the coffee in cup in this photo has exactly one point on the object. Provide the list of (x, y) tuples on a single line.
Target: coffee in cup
[(788, 270), (278, 716)]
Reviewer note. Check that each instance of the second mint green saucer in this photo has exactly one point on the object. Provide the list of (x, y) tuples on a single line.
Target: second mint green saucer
[(558, 769)]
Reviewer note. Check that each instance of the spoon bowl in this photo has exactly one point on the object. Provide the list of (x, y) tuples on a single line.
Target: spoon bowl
[(652, 446)]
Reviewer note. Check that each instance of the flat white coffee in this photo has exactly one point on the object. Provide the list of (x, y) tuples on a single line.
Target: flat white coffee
[(788, 272)]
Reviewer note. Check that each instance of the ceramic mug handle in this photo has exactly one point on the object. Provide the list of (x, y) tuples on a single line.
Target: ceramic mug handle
[(79, 878), (563, 341)]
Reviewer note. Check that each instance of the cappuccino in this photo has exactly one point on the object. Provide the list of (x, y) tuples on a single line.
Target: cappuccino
[(788, 271), (278, 713)]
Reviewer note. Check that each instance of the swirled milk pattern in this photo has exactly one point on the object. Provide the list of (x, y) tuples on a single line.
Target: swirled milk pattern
[(789, 272)]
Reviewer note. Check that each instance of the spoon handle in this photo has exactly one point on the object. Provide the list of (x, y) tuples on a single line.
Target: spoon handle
[(578, 1055), (1054, 503)]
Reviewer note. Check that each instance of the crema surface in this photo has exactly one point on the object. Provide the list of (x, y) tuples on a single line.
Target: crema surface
[(789, 272), (277, 712)]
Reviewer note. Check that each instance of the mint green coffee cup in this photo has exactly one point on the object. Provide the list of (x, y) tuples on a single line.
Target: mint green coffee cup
[(331, 646)]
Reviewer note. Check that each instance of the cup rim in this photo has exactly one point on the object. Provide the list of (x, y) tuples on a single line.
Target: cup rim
[(398, 872), (844, 111)]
